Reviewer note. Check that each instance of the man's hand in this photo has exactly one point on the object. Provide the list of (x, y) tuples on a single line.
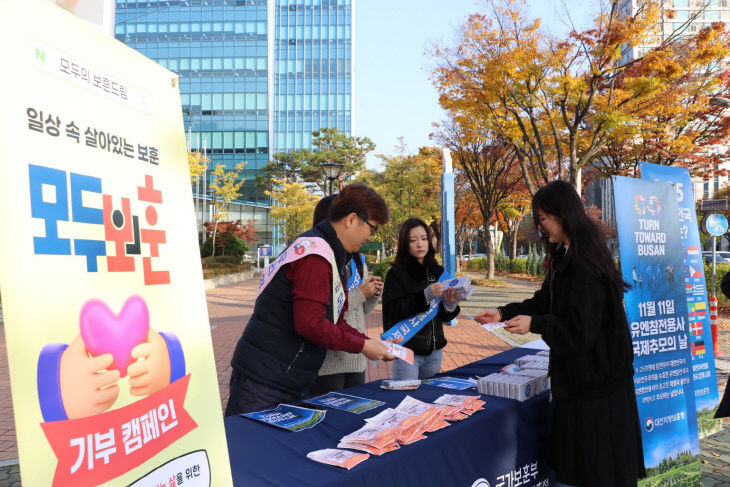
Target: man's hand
[(376, 350), (87, 388), (491, 315), (519, 324), (151, 370)]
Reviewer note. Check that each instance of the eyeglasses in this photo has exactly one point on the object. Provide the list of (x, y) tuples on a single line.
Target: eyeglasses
[(373, 228)]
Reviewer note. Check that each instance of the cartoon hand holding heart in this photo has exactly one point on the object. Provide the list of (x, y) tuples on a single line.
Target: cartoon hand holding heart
[(109, 346)]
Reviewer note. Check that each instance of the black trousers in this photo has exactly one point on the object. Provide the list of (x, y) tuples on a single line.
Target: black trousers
[(247, 395), (336, 382)]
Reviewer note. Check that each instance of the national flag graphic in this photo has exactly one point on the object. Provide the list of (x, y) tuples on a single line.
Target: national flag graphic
[(698, 348), (695, 328), (693, 251), (696, 309)]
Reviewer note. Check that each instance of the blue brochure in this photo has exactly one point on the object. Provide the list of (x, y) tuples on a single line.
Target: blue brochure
[(450, 383), (288, 417), (352, 404)]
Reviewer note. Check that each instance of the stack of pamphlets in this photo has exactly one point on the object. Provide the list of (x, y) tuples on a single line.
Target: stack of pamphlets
[(338, 458), (400, 385), (463, 405), (373, 439), (463, 287), (431, 415), (410, 428), (533, 362), (409, 422)]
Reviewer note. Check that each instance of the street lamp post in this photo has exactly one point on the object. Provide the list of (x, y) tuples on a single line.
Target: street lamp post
[(331, 171)]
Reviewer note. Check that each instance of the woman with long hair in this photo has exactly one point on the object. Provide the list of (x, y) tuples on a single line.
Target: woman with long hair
[(578, 311), (410, 285)]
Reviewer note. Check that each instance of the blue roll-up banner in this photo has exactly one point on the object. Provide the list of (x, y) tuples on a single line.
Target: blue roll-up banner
[(703, 355), (656, 309)]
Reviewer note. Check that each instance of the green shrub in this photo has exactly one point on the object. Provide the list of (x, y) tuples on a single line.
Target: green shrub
[(235, 247), (477, 264), (381, 268), (501, 263), (518, 266)]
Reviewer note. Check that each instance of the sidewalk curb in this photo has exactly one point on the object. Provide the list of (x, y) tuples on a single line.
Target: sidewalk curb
[(227, 279)]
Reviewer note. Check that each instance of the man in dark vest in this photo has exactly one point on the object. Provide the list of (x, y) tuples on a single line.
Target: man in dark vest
[(298, 312)]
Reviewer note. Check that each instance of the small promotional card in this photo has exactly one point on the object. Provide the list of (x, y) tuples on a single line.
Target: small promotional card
[(493, 326), (288, 417), (450, 383), (401, 352), (345, 402)]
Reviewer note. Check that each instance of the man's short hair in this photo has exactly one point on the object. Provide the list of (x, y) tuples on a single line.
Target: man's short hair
[(363, 201)]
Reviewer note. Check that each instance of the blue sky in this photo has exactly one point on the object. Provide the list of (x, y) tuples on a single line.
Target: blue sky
[(393, 95)]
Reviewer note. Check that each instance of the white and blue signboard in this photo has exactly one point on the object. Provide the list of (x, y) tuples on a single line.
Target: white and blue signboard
[(656, 309), (693, 277), (266, 251)]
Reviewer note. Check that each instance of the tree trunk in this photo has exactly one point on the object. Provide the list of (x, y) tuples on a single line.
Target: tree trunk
[(215, 230)]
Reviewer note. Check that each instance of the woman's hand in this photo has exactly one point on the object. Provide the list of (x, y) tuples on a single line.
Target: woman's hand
[(437, 289), (519, 324), (491, 315), (373, 285), (451, 295)]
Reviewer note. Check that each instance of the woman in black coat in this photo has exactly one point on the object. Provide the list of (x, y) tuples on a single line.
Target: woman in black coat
[(410, 285), (596, 437)]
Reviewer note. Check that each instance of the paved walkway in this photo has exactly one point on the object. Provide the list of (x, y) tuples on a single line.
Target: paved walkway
[(229, 308)]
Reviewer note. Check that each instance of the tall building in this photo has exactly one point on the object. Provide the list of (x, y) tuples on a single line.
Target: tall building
[(689, 17), (256, 77)]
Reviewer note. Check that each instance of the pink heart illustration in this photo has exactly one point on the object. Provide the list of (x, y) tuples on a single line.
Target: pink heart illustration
[(104, 332)]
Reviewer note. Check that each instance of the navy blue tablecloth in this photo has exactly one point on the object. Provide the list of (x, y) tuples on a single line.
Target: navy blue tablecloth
[(508, 438)]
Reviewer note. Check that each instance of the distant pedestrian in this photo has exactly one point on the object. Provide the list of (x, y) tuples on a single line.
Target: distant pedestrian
[(578, 311), (410, 285)]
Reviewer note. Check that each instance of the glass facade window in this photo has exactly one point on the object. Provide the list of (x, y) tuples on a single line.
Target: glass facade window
[(227, 63)]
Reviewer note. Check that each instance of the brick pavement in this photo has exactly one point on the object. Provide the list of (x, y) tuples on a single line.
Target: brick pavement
[(229, 308)]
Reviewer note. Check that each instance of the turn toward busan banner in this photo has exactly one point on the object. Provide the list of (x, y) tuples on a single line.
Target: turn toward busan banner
[(698, 311), (656, 310), (111, 362)]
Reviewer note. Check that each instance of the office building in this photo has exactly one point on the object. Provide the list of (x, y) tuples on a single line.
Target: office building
[(256, 77)]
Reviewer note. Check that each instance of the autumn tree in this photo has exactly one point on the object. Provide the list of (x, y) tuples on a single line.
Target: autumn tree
[(410, 185), (293, 207), (224, 188), (328, 145), (486, 161), (559, 102), (231, 235), (511, 212), (467, 220)]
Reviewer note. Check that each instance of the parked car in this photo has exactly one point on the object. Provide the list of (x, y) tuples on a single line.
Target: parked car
[(721, 256)]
